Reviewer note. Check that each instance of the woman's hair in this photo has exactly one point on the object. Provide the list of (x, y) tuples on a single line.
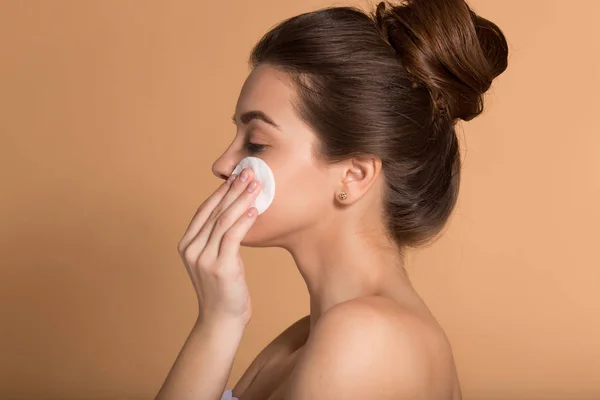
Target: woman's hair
[(392, 84)]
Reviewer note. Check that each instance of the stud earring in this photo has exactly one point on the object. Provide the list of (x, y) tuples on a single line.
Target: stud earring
[(343, 196)]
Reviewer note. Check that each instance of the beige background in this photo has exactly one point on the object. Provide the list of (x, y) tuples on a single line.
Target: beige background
[(111, 114)]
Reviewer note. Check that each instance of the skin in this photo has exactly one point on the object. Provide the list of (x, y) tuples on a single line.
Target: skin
[(368, 335)]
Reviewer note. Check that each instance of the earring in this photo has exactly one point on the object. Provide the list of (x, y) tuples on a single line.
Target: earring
[(343, 196)]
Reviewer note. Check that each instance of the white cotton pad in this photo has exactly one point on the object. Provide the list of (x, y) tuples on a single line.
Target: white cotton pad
[(264, 175)]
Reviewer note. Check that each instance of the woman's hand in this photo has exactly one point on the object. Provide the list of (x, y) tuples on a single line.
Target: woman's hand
[(210, 250)]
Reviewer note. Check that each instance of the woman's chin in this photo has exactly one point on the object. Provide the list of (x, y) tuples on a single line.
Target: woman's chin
[(253, 239), (252, 243), (260, 234), (246, 242)]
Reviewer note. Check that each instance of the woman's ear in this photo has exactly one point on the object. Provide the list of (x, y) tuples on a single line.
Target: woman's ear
[(358, 175)]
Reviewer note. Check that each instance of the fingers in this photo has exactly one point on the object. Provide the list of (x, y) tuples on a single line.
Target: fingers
[(202, 215), (233, 221), (237, 187), (198, 243), (231, 240)]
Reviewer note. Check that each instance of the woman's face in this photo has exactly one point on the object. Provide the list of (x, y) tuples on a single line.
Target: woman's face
[(305, 188)]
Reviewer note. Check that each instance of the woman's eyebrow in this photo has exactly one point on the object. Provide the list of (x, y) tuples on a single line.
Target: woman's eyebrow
[(255, 114)]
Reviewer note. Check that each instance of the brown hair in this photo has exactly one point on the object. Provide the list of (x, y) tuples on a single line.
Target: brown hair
[(392, 84)]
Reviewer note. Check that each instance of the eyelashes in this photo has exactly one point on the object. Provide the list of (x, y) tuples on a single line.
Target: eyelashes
[(254, 148)]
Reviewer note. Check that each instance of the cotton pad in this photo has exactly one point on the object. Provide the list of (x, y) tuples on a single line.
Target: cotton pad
[(264, 175)]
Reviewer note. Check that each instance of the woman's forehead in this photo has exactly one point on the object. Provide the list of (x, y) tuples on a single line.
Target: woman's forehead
[(268, 90)]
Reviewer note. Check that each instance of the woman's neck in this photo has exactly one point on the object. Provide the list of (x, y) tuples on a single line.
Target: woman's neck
[(343, 265)]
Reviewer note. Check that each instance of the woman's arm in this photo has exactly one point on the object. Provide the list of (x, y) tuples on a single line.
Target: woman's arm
[(204, 363), (210, 252)]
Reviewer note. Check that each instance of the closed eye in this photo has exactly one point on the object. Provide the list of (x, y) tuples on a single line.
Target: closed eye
[(254, 148)]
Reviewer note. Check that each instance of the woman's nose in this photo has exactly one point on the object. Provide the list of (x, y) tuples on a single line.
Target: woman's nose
[(223, 166)]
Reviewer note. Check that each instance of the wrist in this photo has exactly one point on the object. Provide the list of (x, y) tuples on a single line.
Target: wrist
[(220, 327)]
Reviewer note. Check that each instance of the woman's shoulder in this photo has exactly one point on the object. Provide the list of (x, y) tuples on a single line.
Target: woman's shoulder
[(383, 314), (379, 342), (379, 317)]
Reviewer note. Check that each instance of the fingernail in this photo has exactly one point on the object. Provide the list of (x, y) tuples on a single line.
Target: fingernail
[(231, 178), (244, 175), (252, 186)]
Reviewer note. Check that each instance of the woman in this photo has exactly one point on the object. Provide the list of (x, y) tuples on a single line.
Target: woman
[(355, 115)]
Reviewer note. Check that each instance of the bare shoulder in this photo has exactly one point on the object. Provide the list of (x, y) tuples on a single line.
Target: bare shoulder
[(373, 348)]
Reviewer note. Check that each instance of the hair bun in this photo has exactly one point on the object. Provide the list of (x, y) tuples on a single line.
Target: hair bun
[(444, 45)]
